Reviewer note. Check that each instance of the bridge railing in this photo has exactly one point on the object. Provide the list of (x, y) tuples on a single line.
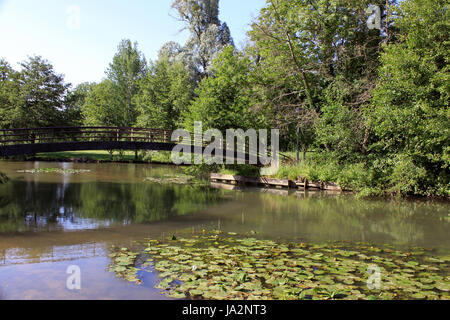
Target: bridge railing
[(87, 134), (82, 134), (12, 137)]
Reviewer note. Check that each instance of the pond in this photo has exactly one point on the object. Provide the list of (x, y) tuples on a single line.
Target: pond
[(57, 215)]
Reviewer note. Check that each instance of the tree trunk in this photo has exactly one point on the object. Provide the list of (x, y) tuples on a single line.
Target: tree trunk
[(302, 72)]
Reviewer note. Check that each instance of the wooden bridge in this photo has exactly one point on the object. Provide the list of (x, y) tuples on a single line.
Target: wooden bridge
[(30, 141)]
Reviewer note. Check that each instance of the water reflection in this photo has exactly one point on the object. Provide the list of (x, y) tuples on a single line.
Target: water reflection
[(313, 217), (53, 254), (31, 206)]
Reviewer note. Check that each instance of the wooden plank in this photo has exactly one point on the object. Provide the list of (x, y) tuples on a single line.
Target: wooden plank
[(272, 182), (327, 186), (223, 177), (330, 186), (300, 184), (314, 185), (257, 181)]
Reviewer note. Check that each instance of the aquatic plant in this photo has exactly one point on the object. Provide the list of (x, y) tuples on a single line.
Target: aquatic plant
[(230, 267), (55, 170), (123, 264)]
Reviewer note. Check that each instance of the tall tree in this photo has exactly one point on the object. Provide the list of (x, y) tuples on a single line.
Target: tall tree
[(103, 106), (10, 116), (42, 94), (308, 51), (224, 100), (164, 94), (127, 68), (208, 35), (75, 99), (170, 50)]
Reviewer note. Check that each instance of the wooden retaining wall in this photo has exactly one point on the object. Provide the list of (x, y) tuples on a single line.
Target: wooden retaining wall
[(281, 192), (275, 183)]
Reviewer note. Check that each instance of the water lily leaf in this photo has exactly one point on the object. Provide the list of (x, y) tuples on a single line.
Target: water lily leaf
[(443, 287), (120, 269)]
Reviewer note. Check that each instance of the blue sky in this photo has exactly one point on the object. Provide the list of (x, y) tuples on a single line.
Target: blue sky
[(81, 48)]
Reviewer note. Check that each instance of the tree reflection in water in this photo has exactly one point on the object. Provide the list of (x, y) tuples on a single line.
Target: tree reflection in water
[(31, 206)]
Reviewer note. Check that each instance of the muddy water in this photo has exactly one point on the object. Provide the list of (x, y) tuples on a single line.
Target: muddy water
[(50, 221)]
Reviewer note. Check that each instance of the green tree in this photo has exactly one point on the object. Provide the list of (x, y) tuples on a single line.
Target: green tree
[(34, 96), (208, 34), (43, 92), (73, 105), (103, 106), (411, 116), (310, 54), (9, 96), (127, 68), (224, 100), (165, 93)]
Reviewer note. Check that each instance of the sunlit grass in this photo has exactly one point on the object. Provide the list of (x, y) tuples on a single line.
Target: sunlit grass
[(104, 155)]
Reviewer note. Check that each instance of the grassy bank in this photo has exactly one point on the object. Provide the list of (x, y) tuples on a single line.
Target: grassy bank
[(378, 177), (352, 177)]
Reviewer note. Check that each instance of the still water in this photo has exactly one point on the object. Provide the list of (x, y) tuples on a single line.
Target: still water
[(50, 221)]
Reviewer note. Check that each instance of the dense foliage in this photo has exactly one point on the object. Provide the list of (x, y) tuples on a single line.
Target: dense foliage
[(33, 96), (372, 104), (164, 95), (223, 101), (410, 114)]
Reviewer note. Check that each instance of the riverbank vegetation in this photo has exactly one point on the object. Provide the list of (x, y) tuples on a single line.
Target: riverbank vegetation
[(371, 103)]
